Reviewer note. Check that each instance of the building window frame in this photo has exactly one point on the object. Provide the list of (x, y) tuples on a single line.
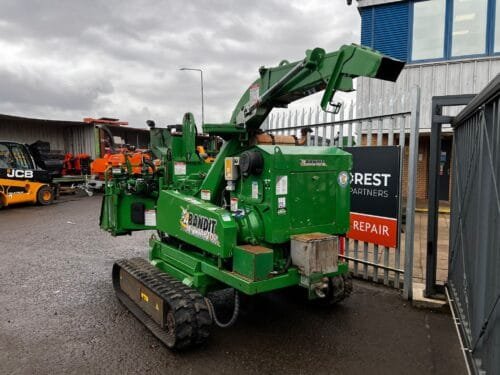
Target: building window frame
[(491, 26), (489, 48)]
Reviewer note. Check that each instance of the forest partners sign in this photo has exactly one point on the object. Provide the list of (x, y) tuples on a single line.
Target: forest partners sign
[(375, 191)]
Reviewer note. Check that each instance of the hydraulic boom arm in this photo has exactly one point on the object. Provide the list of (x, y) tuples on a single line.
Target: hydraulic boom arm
[(281, 85)]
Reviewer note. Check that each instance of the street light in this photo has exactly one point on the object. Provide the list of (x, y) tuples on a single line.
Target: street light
[(202, 105)]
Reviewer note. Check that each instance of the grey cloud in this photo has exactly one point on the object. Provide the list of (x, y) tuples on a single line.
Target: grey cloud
[(121, 59), (36, 88)]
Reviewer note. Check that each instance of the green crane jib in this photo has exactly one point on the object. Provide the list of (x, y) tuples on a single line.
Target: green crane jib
[(242, 213), (281, 85)]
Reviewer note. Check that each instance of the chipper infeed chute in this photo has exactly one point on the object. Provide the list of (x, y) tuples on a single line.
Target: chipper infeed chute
[(238, 208)]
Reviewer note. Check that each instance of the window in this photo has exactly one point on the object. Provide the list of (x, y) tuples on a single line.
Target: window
[(428, 29), (21, 157), (469, 27), (6, 160)]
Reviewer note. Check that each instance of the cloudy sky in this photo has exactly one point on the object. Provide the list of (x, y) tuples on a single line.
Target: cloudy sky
[(75, 59)]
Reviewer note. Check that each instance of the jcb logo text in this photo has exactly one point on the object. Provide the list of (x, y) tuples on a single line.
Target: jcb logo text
[(19, 173)]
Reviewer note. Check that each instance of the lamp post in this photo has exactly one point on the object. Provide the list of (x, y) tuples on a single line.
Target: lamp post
[(202, 100)]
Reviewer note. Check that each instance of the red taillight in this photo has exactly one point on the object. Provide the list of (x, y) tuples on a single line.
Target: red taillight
[(341, 245)]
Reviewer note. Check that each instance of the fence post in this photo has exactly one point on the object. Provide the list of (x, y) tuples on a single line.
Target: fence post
[(411, 197)]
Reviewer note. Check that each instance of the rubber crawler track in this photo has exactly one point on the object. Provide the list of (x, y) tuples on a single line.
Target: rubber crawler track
[(190, 312)]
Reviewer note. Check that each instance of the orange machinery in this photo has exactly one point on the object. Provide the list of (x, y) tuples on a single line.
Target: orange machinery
[(111, 155), (120, 157)]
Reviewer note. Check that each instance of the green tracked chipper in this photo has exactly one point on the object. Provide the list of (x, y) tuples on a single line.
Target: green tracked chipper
[(236, 207)]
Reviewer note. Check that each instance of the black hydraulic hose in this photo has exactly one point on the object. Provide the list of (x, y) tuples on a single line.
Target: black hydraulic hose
[(236, 312), (285, 269), (149, 163)]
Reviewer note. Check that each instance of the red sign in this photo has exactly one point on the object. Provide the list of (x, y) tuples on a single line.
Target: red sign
[(375, 229)]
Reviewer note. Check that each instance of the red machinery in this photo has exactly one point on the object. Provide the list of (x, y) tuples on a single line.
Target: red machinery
[(76, 165)]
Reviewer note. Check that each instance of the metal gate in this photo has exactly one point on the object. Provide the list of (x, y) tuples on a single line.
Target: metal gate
[(390, 266), (474, 263)]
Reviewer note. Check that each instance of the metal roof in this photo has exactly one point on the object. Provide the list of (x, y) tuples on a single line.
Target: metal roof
[(29, 120), (369, 3), (41, 121)]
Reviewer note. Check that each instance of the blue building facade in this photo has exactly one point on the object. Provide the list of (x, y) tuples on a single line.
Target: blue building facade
[(431, 30), (450, 46)]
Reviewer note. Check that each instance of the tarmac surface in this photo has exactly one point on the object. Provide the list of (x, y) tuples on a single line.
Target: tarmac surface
[(59, 315)]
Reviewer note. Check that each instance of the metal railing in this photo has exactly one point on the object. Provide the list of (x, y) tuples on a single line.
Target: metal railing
[(473, 275), (390, 266)]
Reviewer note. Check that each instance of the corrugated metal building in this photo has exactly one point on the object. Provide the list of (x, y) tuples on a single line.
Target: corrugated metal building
[(450, 77), (450, 46), (69, 136)]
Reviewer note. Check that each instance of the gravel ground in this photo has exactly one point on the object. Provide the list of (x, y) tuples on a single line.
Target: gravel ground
[(58, 315)]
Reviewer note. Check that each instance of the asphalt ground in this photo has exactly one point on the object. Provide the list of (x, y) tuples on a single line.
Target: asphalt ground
[(59, 315)]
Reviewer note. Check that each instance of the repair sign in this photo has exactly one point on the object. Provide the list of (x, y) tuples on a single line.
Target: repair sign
[(375, 191)]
